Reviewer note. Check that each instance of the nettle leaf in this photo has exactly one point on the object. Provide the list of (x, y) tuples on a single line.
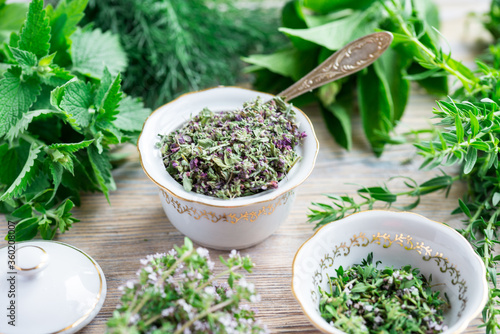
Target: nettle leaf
[(132, 115), (24, 58), (64, 20), (71, 147), (26, 175), (22, 125), (75, 103), (56, 77), (109, 94), (92, 51), (35, 35), (17, 97), (102, 170)]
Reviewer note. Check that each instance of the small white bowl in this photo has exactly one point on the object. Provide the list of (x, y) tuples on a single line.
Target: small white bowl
[(396, 239), (217, 223)]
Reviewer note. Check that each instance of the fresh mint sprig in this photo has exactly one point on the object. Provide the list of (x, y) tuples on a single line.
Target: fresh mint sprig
[(61, 112)]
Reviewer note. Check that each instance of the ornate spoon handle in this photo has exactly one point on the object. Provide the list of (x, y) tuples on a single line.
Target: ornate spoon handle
[(348, 60)]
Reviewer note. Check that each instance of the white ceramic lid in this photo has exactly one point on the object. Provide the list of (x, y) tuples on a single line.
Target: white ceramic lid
[(51, 288)]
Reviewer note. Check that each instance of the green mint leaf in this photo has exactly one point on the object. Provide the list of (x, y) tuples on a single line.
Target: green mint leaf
[(23, 212), (16, 98), (132, 114), (22, 125), (56, 171), (65, 219), (35, 35), (25, 176), (112, 133), (56, 77), (92, 51), (102, 170), (109, 94), (75, 103), (13, 16), (71, 147), (64, 20), (24, 58), (27, 229)]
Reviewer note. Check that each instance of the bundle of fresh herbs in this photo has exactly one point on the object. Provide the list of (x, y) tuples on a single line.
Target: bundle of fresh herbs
[(467, 135), (317, 28), (61, 110), (234, 153), (178, 46), (365, 299), (177, 292)]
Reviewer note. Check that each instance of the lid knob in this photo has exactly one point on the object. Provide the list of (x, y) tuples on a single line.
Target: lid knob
[(31, 260)]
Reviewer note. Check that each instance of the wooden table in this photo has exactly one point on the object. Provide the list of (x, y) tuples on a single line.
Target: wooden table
[(117, 236)]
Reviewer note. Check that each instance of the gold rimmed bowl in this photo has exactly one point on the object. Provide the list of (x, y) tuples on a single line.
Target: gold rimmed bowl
[(219, 223), (396, 239)]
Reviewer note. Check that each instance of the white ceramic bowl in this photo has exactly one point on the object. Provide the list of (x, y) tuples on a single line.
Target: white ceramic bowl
[(397, 239), (213, 222)]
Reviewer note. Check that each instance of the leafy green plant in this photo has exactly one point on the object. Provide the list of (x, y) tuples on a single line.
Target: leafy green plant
[(179, 46), (466, 135), (178, 292), (61, 111), (318, 28)]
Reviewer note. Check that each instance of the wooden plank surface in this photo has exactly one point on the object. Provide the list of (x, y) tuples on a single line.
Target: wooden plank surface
[(117, 236)]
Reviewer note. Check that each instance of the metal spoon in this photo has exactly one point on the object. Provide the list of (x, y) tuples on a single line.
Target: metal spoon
[(346, 61)]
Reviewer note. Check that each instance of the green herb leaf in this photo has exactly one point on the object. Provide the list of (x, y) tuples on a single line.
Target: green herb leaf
[(75, 103), (16, 98), (24, 58), (470, 159), (345, 29), (22, 125), (132, 115), (26, 175), (26, 229), (92, 51), (102, 170), (375, 106), (35, 35)]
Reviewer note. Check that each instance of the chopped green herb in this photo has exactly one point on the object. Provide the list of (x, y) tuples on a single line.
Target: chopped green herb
[(234, 153), (365, 299)]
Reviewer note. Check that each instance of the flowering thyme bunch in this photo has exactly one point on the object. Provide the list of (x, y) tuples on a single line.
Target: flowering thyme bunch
[(178, 293), (234, 153), (364, 299)]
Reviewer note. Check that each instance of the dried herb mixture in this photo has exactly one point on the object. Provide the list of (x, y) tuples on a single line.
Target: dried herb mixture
[(365, 299), (234, 153)]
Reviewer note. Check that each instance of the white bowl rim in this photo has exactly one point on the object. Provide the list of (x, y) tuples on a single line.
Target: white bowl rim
[(242, 201), (469, 248)]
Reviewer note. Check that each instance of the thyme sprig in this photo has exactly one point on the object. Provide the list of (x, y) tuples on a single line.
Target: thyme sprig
[(177, 292)]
